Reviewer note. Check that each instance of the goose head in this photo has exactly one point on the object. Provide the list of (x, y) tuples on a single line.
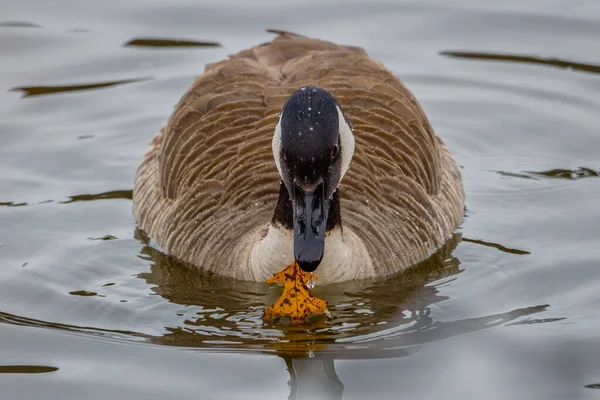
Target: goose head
[(313, 145)]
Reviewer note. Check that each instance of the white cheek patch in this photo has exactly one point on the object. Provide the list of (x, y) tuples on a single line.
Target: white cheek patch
[(277, 147), (346, 142)]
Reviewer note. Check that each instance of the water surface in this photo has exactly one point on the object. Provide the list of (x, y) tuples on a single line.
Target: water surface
[(509, 308)]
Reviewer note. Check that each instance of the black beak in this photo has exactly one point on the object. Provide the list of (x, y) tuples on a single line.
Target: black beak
[(310, 221)]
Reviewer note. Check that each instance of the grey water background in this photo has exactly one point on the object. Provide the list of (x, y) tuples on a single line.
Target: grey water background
[(510, 308)]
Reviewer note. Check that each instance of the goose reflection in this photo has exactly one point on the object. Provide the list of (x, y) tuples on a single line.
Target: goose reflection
[(313, 378), (230, 311)]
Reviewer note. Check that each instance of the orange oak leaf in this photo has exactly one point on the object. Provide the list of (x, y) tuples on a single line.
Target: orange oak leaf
[(295, 302)]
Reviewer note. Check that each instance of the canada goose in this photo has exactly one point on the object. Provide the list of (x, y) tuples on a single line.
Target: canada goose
[(246, 176)]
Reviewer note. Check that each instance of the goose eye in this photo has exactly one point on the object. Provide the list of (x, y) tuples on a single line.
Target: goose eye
[(335, 151)]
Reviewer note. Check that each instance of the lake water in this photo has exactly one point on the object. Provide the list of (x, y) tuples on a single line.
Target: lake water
[(509, 309)]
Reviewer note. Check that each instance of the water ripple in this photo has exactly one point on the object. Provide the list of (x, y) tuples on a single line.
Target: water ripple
[(557, 173), (497, 246), (19, 24), (26, 369), (552, 61), (115, 194), (31, 91), (163, 42)]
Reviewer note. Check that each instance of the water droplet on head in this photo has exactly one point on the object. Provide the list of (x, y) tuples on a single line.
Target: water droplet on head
[(314, 90), (303, 88), (312, 128), (309, 108)]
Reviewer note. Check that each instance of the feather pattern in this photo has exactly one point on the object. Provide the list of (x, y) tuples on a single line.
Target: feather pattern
[(207, 186)]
